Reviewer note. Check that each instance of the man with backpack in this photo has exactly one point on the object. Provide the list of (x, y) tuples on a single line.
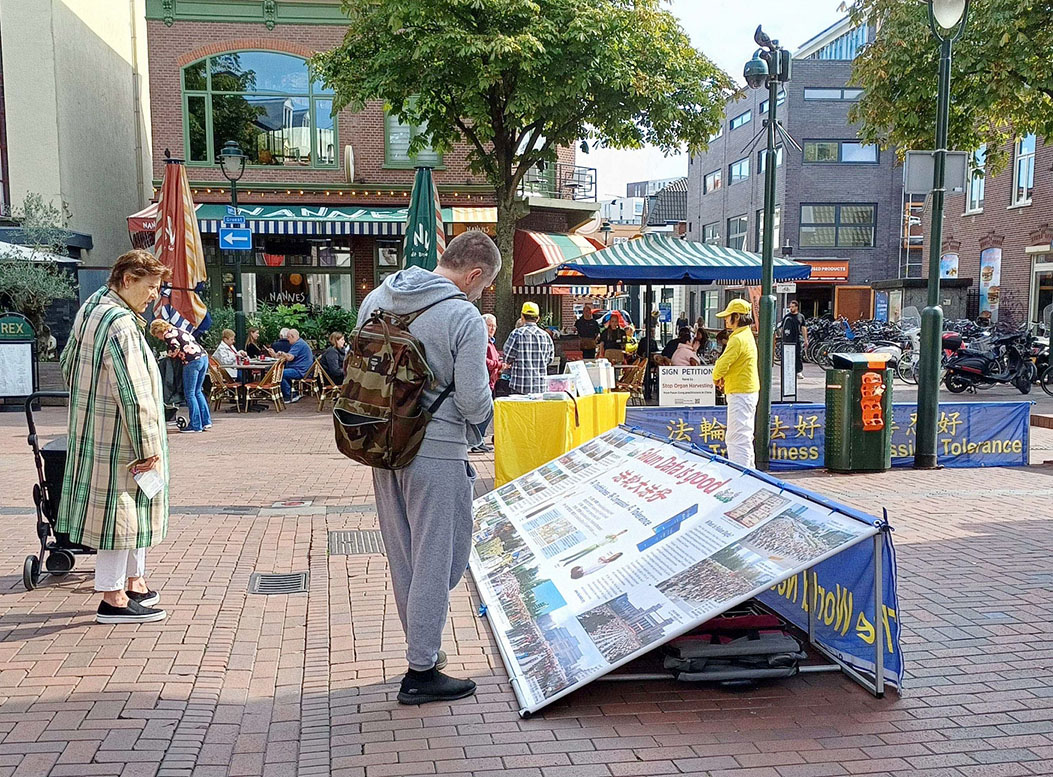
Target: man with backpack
[(425, 506)]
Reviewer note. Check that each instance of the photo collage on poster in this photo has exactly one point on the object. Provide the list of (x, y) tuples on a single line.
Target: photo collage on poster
[(624, 542)]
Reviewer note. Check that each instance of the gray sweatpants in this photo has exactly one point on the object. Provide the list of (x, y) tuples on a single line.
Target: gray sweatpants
[(425, 513)]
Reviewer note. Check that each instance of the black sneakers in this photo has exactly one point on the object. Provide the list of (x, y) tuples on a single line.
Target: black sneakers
[(432, 685), (133, 613), (149, 599)]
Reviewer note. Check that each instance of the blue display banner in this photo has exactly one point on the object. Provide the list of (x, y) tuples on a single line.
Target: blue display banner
[(841, 591), (969, 434)]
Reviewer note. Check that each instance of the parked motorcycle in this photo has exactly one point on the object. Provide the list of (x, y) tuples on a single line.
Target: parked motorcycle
[(1008, 363)]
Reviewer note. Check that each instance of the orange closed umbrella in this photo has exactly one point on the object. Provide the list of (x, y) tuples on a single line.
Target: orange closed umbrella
[(178, 245)]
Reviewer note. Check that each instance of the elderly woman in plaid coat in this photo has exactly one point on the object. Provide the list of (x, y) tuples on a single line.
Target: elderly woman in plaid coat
[(116, 431)]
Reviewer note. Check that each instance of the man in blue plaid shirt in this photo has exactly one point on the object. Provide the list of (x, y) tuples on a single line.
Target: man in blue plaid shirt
[(528, 350)]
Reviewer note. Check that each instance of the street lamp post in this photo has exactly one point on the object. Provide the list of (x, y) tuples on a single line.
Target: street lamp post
[(947, 20), (769, 67), (232, 162)]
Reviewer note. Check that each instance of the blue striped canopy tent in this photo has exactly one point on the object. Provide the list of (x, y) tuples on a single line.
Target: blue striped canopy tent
[(661, 259)]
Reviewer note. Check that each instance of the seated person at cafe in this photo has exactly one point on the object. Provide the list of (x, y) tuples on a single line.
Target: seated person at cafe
[(612, 340), (333, 358), (282, 344), (298, 361), (686, 354), (226, 354), (254, 349), (672, 345)]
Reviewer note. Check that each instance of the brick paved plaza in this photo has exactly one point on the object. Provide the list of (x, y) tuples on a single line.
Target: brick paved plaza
[(239, 684)]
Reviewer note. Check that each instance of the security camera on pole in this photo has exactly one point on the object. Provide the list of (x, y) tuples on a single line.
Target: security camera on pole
[(769, 67)]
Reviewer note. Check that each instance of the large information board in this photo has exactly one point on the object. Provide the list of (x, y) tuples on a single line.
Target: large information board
[(629, 541)]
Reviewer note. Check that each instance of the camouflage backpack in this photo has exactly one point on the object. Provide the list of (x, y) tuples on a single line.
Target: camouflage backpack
[(379, 420)]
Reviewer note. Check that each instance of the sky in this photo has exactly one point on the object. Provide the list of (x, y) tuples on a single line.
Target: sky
[(723, 30)]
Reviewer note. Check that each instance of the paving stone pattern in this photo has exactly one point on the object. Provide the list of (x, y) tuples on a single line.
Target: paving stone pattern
[(239, 685)]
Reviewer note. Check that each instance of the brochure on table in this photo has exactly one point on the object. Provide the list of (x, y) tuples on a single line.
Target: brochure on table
[(629, 541)]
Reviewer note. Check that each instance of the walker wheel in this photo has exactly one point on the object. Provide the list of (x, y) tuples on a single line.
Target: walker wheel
[(59, 562), (31, 572), (180, 422)]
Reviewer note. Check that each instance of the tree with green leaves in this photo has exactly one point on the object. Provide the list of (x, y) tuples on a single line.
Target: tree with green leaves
[(1001, 79), (30, 283), (518, 79)]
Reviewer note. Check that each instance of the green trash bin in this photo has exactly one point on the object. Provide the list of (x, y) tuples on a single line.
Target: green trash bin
[(859, 413)]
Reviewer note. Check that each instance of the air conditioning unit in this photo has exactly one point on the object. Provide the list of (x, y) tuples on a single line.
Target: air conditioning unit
[(349, 164)]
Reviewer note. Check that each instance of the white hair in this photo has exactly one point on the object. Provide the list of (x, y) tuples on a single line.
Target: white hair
[(283, 332), (490, 318)]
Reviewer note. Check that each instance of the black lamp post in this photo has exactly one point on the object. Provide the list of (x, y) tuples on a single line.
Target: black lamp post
[(769, 67), (947, 20), (232, 162)]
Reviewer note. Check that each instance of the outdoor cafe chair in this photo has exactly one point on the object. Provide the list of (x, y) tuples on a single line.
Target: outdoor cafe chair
[(327, 388), (632, 382), (223, 387), (310, 383), (269, 387)]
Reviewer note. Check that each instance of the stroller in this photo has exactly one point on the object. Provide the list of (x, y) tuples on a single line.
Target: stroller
[(58, 555)]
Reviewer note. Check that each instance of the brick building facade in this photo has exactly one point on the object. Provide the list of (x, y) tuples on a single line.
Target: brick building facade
[(1013, 234), (301, 163)]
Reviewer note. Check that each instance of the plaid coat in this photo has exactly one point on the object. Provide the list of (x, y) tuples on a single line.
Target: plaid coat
[(116, 417)]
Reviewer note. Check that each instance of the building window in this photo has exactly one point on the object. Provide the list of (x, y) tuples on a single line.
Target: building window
[(711, 182), (739, 171), (741, 119), (975, 201), (823, 93), (777, 221), (844, 46), (1024, 170), (387, 260), (779, 100), (717, 134), (737, 232), (837, 226), (840, 151), (1042, 293), (266, 102), (711, 233), (762, 155), (397, 137)]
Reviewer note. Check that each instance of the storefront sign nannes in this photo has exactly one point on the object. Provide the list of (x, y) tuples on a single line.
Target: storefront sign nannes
[(321, 213)]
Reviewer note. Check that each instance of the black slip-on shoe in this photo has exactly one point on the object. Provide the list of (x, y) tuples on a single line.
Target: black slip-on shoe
[(133, 613), (432, 685), (149, 599)]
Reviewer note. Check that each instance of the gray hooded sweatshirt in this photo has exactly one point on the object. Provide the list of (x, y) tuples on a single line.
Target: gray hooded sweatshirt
[(454, 337)]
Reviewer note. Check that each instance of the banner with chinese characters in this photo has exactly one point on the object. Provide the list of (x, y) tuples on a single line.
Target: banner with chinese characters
[(629, 541), (969, 434)]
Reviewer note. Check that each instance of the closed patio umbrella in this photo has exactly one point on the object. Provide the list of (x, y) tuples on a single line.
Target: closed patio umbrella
[(425, 239), (178, 245)]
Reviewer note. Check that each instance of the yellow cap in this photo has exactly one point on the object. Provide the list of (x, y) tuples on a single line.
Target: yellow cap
[(740, 306), (530, 309)]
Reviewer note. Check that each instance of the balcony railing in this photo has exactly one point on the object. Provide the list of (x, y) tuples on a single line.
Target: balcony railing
[(560, 181)]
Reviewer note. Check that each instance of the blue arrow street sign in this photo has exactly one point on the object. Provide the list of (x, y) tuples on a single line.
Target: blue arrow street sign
[(233, 221), (235, 239)]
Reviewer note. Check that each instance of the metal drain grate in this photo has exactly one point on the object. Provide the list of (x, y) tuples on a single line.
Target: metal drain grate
[(270, 583), (355, 543)]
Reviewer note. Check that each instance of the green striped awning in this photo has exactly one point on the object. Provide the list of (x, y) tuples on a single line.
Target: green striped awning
[(664, 259)]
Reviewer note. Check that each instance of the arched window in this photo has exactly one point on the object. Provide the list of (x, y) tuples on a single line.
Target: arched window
[(265, 101)]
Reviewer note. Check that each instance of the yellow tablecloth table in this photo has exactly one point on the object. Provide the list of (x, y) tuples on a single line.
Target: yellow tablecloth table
[(529, 433)]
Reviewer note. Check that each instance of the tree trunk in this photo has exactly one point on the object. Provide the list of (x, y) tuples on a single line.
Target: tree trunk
[(509, 210)]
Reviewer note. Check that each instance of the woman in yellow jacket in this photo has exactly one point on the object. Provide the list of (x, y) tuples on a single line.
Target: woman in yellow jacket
[(736, 373)]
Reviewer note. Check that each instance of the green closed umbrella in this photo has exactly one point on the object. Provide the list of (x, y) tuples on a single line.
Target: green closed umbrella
[(425, 239)]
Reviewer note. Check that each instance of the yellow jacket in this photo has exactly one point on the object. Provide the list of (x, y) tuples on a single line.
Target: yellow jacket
[(738, 364)]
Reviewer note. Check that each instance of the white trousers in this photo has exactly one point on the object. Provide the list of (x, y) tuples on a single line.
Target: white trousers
[(742, 408), (114, 567)]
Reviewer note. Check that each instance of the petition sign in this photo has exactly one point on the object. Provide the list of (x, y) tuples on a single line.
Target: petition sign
[(686, 386), (627, 542)]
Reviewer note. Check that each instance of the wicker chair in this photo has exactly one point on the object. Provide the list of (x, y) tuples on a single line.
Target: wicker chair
[(661, 361), (310, 384), (632, 382), (327, 389), (269, 387), (223, 387)]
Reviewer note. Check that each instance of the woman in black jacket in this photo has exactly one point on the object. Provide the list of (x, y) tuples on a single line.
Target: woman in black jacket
[(333, 358)]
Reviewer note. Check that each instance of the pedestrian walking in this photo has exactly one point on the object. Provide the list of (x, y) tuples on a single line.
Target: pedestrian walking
[(794, 332), (184, 348), (425, 509), (116, 431), (735, 373), (527, 352)]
